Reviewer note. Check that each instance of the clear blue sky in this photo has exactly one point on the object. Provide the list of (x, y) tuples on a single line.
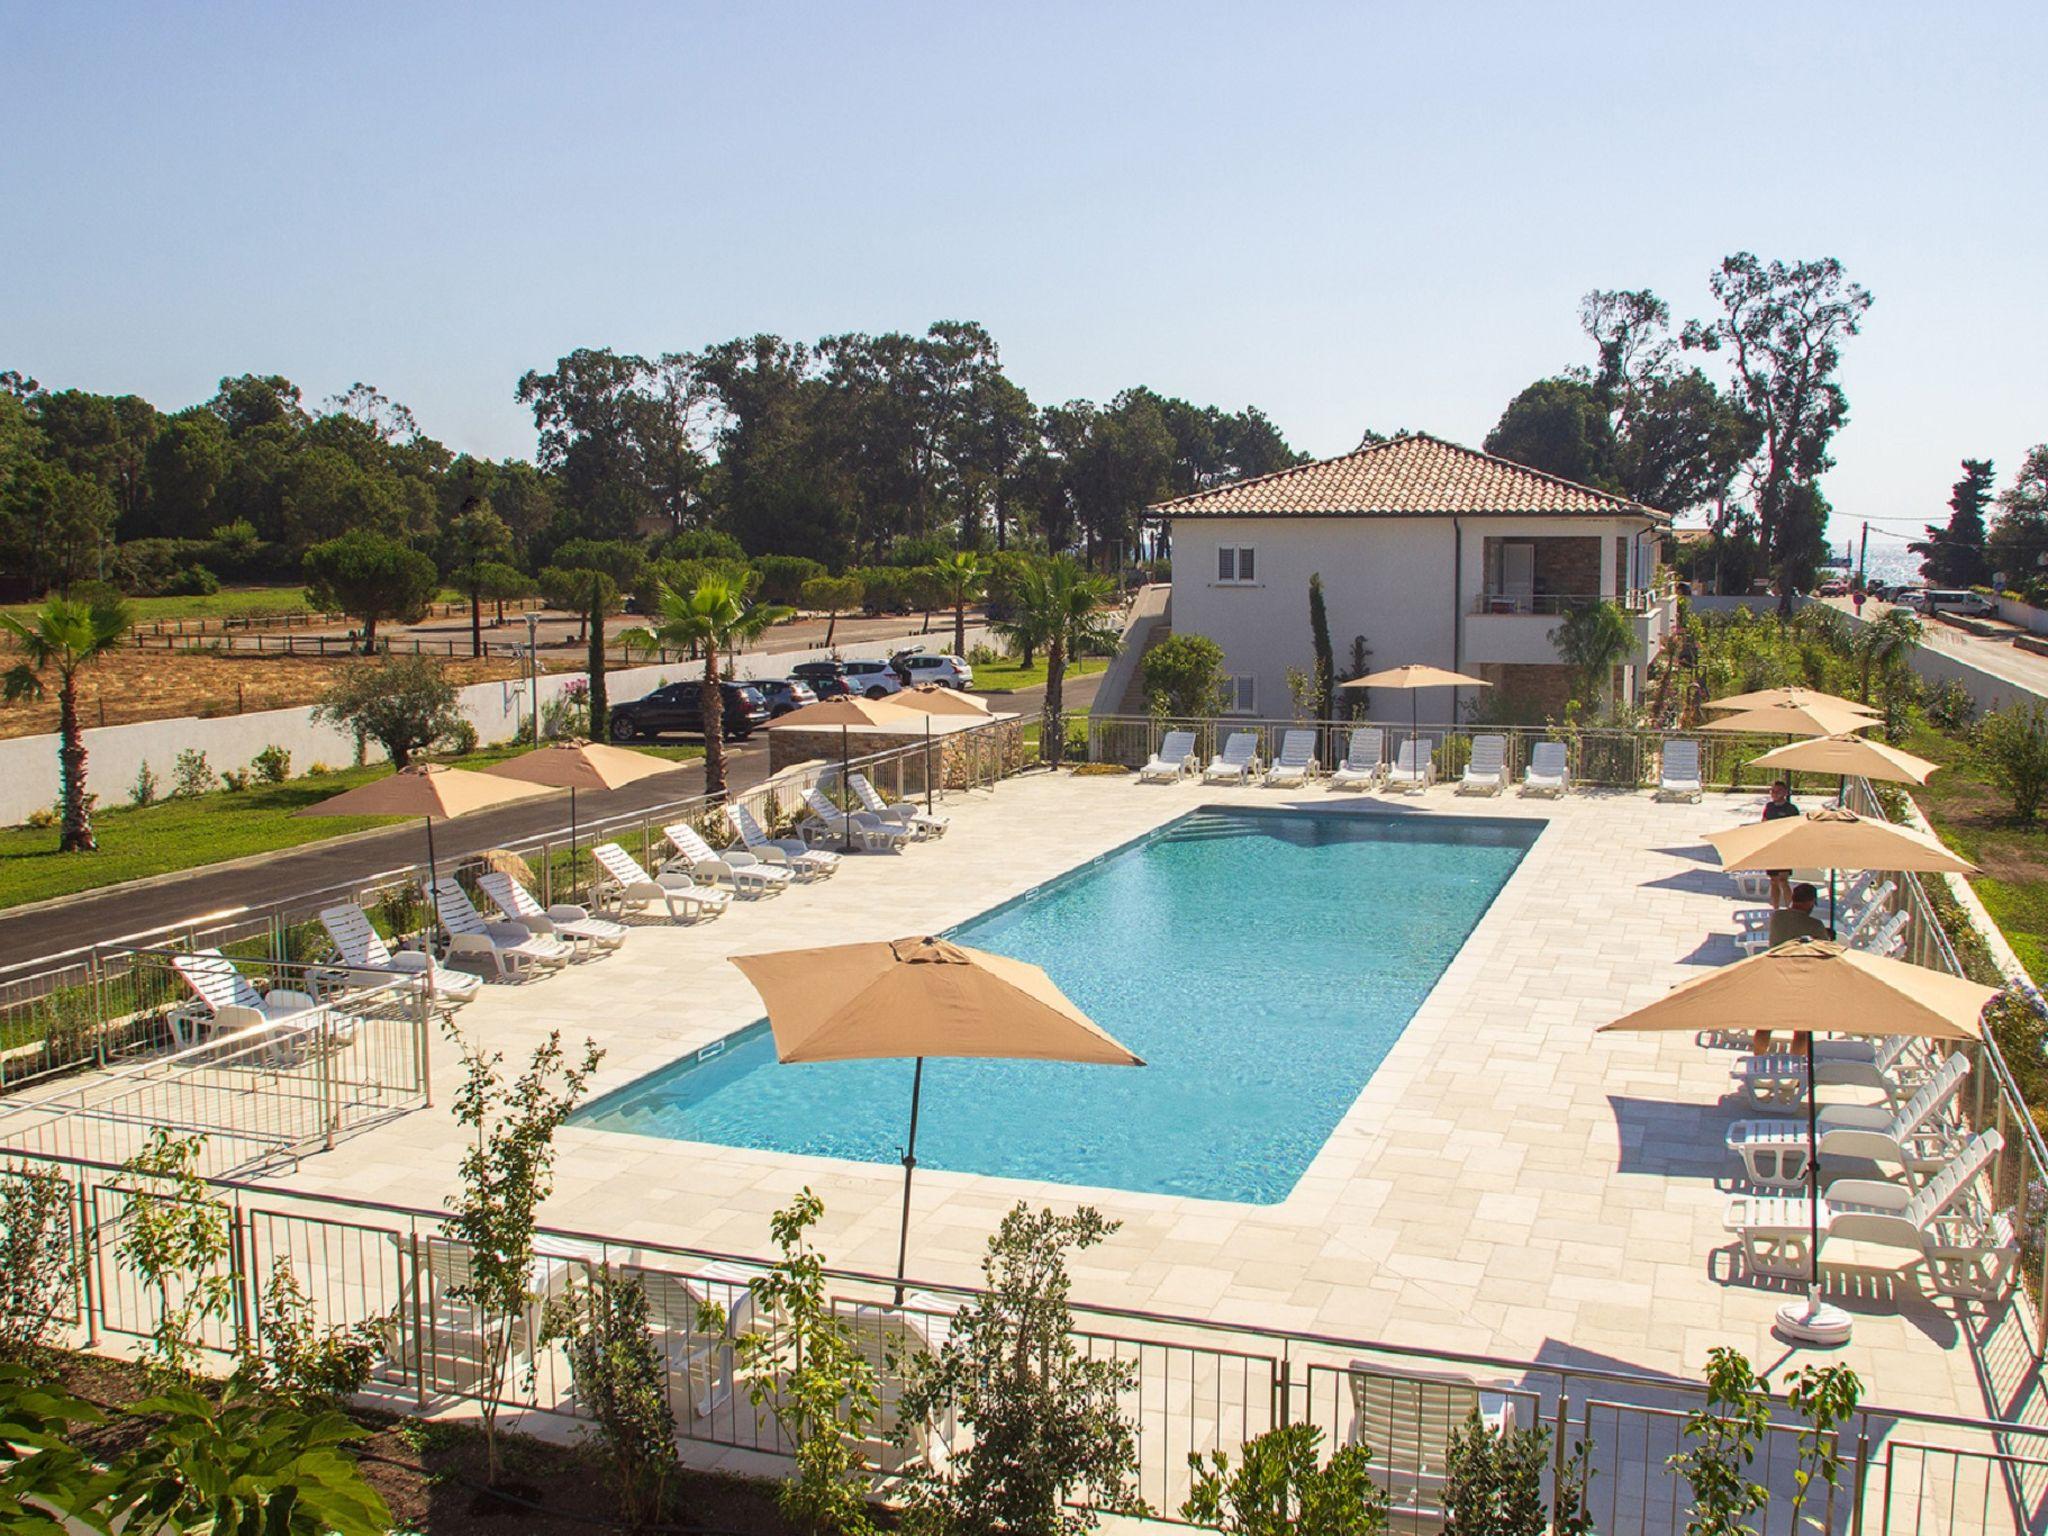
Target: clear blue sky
[(1349, 215)]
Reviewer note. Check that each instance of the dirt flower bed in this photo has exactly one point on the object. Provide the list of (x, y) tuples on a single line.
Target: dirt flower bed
[(135, 685), (431, 1474)]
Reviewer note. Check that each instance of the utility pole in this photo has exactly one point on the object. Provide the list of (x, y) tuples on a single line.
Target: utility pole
[(533, 672)]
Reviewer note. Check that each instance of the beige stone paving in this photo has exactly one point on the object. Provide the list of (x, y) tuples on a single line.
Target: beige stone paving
[(1509, 1182)]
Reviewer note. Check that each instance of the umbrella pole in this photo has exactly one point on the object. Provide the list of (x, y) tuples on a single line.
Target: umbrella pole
[(1813, 1321), (433, 887), (846, 819), (572, 845), (927, 764), (909, 1168)]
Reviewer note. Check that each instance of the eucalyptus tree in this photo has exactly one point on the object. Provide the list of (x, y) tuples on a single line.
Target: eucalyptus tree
[(1782, 326)]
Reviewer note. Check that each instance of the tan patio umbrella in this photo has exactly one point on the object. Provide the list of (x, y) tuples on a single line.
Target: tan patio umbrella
[(1805, 987), (920, 997), (576, 764), (1795, 720), (931, 699), (1833, 839), (1412, 677), (429, 791), (1846, 754), (1788, 698), (851, 709)]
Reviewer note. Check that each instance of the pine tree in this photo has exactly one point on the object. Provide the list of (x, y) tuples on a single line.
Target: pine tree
[(1954, 556)]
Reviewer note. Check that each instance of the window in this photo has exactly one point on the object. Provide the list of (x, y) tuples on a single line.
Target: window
[(1244, 696), (1234, 564)]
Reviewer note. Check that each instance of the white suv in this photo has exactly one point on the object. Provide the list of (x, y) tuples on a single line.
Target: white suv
[(946, 671), (876, 679)]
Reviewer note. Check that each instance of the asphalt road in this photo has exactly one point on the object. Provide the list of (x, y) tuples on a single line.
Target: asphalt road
[(2023, 669), (124, 913)]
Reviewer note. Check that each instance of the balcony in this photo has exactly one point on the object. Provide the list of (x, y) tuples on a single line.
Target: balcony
[(1518, 629)]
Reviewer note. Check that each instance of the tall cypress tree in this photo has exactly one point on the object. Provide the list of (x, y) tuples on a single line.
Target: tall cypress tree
[(1326, 659)]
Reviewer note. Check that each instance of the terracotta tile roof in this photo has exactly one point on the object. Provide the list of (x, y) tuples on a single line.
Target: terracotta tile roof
[(1415, 475)]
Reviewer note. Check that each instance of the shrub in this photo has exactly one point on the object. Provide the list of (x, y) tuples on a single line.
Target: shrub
[(1183, 676), (2010, 747), (810, 1373), (177, 1239), (145, 787), (234, 779), (621, 1380), (1282, 1487), (41, 817), (1098, 770), (1047, 1423), (984, 656), (297, 1359), (194, 580), (318, 770), (459, 738), (36, 1269), (1493, 1483), (191, 774), (567, 714), (1951, 708), (273, 765)]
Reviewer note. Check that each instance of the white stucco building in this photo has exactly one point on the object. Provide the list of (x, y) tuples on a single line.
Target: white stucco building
[(1434, 553)]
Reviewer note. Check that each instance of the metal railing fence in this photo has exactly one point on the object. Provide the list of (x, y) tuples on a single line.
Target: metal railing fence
[(77, 1010), (340, 1050), (1596, 757), (1197, 1385)]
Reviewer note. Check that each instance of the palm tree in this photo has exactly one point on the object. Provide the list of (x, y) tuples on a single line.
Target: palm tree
[(1593, 640), (716, 615), (66, 636), (1063, 608), (1881, 648), (961, 576)]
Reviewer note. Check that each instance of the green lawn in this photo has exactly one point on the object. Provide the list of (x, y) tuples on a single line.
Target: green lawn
[(1010, 674), (184, 834), (1975, 820), (228, 603)]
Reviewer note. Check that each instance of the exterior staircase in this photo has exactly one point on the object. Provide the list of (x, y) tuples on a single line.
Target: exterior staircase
[(1151, 621)]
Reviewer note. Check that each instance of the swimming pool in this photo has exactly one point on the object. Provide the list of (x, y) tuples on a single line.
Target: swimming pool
[(1262, 962)]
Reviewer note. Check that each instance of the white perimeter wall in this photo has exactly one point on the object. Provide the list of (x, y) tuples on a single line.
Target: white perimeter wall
[(116, 753)]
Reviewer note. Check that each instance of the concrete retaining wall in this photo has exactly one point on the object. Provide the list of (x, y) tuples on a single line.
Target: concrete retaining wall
[(116, 753)]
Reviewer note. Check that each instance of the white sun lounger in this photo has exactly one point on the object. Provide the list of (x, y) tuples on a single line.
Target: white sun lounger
[(1547, 773), (747, 874), (888, 1338), (1236, 763), (1778, 1079), (1486, 773), (564, 920), (923, 824), (1295, 763), (360, 945), (1414, 767), (1886, 939), (511, 948), (790, 852), (1678, 778), (1364, 760), (1174, 761), (1408, 1420), (624, 882), (1916, 1136), (232, 1003), (863, 828), (1971, 1251)]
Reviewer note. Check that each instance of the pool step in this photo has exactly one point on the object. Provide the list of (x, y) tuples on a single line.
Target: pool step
[(1204, 829)]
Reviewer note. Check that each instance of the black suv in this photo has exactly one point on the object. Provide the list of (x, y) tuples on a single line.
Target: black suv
[(675, 708)]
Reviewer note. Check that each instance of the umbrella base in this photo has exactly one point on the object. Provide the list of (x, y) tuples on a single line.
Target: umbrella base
[(1813, 1321)]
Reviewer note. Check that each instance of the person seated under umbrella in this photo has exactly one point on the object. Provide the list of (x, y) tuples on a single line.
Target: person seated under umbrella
[(1788, 923)]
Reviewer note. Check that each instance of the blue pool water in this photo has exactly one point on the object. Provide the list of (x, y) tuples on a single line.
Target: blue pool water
[(1263, 964)]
